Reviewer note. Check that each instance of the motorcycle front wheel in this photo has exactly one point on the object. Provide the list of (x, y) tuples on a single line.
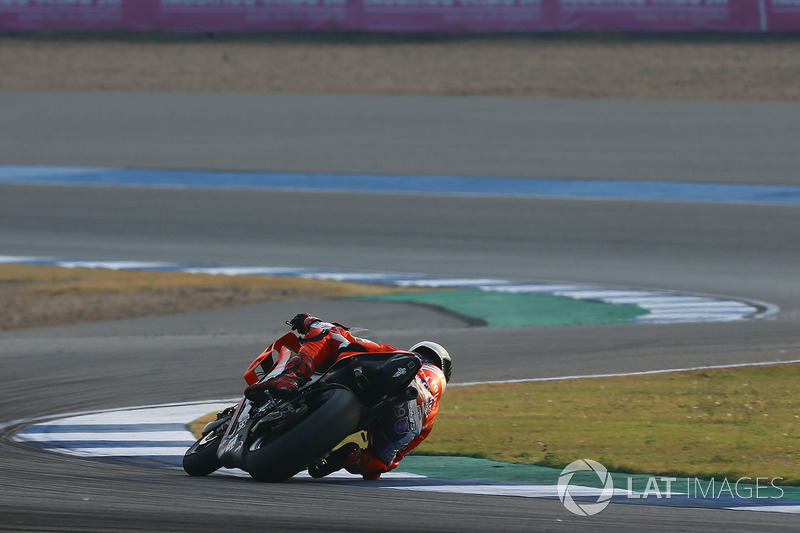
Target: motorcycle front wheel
[(334, 416), (201, 458)]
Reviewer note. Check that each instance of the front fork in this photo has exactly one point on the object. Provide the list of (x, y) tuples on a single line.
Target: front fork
[(220, 424)]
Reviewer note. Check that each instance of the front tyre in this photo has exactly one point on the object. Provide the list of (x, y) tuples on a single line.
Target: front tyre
[(336, 416), (201, 458)]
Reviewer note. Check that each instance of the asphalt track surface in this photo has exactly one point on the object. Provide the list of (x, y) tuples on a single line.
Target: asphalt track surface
[(736, 250)]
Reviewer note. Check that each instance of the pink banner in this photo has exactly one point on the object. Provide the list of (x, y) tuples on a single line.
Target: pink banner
[(252, 15), (782, 15), (24, 14), (76, 14), (402, 15), (736, 15), (458, 15)]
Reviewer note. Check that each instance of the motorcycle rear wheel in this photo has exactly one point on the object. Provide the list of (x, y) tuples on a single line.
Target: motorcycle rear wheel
[(327, 425)]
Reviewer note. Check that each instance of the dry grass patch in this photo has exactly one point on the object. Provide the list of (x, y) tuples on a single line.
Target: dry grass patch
[(579, 66), (196, 426), (35, 296)]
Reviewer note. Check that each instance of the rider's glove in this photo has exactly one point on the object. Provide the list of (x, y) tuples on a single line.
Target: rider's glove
[(300, 323)]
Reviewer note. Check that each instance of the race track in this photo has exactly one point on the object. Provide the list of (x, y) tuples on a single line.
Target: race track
[(745, 251)]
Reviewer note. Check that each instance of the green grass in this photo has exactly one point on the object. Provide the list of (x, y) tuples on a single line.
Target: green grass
[(723, 423), (701, 424)]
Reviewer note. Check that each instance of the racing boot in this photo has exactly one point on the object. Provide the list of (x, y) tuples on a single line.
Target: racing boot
[(334, 461), (366, 463)]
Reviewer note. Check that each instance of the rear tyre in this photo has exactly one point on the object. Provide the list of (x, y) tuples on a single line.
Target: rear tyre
[(336, 416), (201, 458)]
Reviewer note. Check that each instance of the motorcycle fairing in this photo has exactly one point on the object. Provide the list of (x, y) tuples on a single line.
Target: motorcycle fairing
[(273, 360)]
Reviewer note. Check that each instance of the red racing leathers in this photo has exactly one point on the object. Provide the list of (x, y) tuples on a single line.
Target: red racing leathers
[(392, 437)]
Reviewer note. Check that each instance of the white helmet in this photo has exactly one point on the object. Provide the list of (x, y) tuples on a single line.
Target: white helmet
[(432, 352)]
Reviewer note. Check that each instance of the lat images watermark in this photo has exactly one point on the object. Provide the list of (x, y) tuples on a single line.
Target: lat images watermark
[(592, 500), (566, 490)]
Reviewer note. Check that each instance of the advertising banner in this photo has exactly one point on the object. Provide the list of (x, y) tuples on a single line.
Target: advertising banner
[(446, 15), (35, 14), (402, 15), (252, 15), (782, 15), (731, 15)]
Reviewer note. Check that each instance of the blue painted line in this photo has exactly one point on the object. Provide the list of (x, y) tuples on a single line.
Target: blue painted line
[(683, 500), (134, 444), (723, 501), (100, 428), (408, 184)]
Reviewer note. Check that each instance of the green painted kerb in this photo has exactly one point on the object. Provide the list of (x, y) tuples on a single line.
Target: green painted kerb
[(473, 469), (502, 309)]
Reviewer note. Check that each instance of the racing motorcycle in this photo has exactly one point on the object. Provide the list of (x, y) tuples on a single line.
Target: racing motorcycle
[(275, 440)]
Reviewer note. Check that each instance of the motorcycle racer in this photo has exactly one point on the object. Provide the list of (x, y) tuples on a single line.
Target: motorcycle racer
[(392, 436)]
